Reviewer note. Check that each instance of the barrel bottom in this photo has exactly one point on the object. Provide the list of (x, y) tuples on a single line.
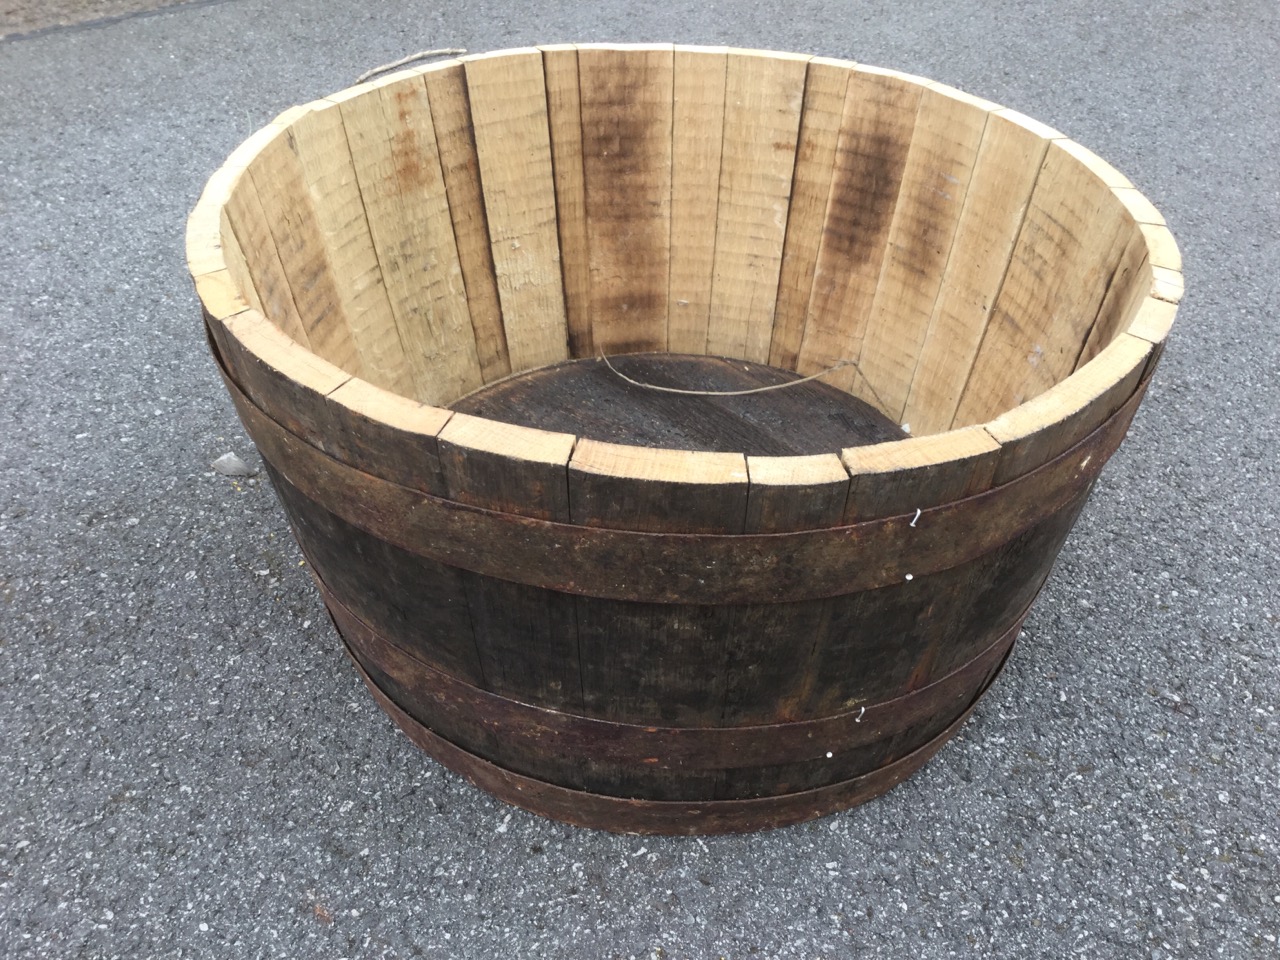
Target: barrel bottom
[(663, 817)]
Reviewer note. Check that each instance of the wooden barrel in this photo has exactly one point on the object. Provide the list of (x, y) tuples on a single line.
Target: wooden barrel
[(715, 616)]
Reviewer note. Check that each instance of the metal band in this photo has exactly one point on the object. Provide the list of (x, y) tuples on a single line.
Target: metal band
[(446, 703), (686, 568), (664, 817)]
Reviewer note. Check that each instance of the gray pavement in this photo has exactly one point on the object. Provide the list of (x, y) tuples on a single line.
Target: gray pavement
[(190, 768)]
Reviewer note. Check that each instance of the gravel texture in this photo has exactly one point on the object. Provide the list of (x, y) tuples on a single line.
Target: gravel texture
[(192, 769), (28, 16)]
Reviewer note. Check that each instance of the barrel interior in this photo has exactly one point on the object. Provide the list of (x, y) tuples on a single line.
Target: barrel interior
[(380, 268)]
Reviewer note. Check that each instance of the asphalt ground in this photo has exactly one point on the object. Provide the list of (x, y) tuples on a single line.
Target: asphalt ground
[(29, 16), (192, 769)]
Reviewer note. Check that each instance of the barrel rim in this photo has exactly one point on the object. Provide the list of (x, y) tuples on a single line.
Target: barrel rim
[(670, 567), (319, 382)]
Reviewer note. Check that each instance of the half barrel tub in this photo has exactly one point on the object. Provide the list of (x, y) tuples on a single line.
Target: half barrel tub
[(651, 612)]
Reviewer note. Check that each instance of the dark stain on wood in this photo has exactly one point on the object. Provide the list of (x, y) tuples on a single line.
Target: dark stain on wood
[(670, 818), (405, 146), (421, 602), (689, 568), (585, 398)]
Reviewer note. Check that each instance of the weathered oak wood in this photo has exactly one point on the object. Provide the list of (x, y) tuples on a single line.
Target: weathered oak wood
[(631, 815), (508, 99), (935, 183), (397, 165), (455, 137), (763, 94), (824, 96), (504, 467), (586, 398), (316, 144), (647, 488), (1071, 244), (697, 140), (649, 596), (908, 475), (1004, 175), (564, 116), (687, 567), (626, 158), (875, 136)]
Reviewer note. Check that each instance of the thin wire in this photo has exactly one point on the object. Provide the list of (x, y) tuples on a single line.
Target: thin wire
[(420, 55), (729, 393)]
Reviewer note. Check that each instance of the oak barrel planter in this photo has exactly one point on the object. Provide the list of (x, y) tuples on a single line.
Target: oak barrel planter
[(651, 612)]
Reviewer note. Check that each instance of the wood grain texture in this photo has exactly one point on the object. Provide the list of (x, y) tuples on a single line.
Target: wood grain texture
[(1096, 165), (248, 222), (875, 135), (697, 137), (318, 141), (678, 625), (564, 114), (626, 155), (1148, 251), (1128, 286), (420, 602), (631, 815), (907, 635), (1162, 248), (795, 493), (475, 718), (387, 435), (1167, 284), (397, 164), (1072, 240), (825, 84), (220, 295), (935, 182), (298, 239), (1140, 208), (889, 479), (644, 488), (238, 264), (534, 738), (1004, 175), (1153, 321), (525, 637), (455, 139), (278, 374), (527, 641), (680, 567), (1040, 429), (763, 96), (505, 467), (204, 237), (653, 663), (227, 190), (585, 398), (508, 99)]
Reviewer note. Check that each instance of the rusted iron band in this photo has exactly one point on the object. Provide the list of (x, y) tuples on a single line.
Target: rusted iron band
[(663, 817), (686, 568), (446, 702)]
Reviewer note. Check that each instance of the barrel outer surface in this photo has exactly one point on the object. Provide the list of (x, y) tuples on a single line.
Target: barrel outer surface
[(662, 637), (667, 714)]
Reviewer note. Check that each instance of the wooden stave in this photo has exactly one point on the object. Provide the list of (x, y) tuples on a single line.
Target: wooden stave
[(863, 647), (691, 567), (205, 261), (658, 817), (671, 787), (328, 408)]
